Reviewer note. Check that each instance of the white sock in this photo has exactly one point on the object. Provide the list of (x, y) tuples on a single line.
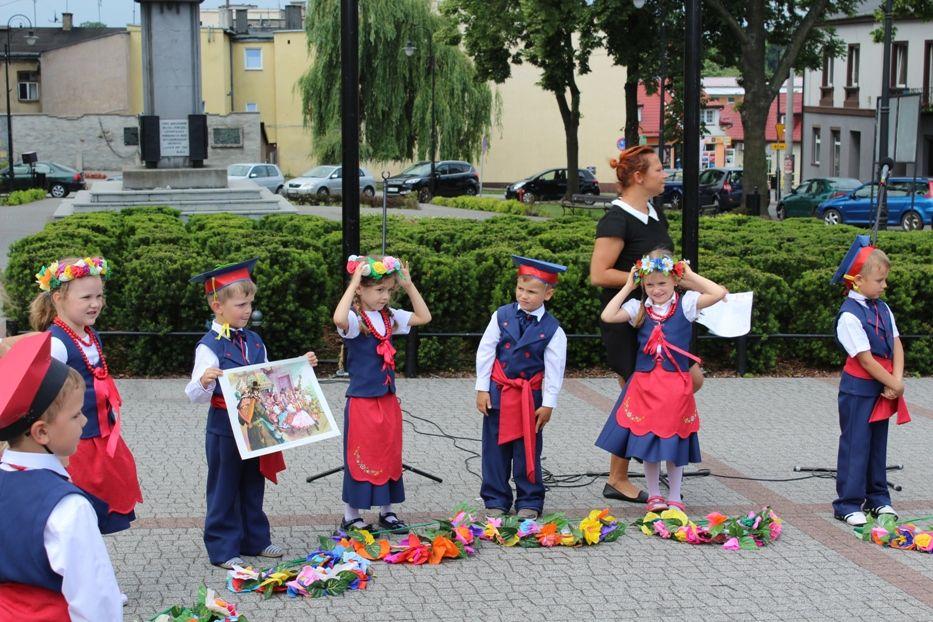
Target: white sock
[(385, 510), (675, 475), (653, 478), (350, 513)]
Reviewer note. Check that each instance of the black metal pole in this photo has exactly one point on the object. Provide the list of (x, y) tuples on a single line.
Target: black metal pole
[(663, 34), (350, 124), (9, 113), (431, 60), (690, 232), (884, 106)]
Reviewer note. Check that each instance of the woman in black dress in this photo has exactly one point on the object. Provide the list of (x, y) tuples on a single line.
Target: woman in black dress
[(630, 229)]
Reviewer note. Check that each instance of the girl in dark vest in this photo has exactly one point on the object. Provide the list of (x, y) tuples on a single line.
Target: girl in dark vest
[(372, 424), (68, 305), (655, 418)]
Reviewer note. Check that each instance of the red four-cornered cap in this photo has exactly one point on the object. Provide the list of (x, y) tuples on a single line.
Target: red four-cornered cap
[(31, 380)]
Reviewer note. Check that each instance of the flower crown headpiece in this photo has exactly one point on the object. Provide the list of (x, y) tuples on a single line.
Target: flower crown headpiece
[(667, 266), (374, 268), (52, 276)]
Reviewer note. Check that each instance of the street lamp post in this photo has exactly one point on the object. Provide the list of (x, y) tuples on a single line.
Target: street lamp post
[(409, 52), (884, 110), (31, 39)]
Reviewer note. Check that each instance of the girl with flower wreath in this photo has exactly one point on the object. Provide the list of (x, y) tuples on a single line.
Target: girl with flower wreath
[(372, 474), (68, 305), (655, 418)]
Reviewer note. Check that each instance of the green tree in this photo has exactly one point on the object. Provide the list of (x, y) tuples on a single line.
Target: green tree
[(556, 36), (743, 31), (92, 25), (395, 90)]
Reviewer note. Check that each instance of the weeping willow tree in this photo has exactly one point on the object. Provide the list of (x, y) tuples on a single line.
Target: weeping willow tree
[(395, 89)]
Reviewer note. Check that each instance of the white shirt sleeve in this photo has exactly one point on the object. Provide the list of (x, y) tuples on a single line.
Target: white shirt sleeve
[(59, 353), (851, 334), (486, 354), (402, 319), (894, 332), (204, 358), (631, 307), (353, 326), (77, 552), (689, 304), (555, 358)]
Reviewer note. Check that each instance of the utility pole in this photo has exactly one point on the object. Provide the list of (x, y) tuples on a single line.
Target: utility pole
[(789, 133)]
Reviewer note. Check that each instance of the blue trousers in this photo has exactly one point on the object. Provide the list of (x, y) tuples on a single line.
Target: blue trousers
[(861, 476), (235, 523), (499, 461)]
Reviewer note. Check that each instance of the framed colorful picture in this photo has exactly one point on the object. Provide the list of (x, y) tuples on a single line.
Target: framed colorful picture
[(275, 406)]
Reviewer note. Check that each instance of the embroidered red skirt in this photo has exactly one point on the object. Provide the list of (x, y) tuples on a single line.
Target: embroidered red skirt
[(659, 402), (374, 439), (113, 480)]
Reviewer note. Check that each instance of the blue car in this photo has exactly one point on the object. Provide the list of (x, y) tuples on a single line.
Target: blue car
[(910, 204)]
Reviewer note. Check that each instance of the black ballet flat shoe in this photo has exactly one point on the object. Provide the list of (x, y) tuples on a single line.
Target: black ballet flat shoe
[(395, 526), (610, 492), (357, 524)]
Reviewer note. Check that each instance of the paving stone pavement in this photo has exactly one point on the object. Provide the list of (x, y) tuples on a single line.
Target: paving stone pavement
[(751, 427)]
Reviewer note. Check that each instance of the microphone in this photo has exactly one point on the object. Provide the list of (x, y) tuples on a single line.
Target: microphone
[(886, 165)]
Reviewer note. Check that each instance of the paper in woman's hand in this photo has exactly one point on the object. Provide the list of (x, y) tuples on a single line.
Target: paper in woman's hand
[(731, 317)]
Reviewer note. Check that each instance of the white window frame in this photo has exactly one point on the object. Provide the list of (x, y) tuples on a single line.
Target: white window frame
[(246, 59), (30, 86), (829, 69), (251, 107), (899, 55), (817, 144), (852, 64), (709, 116)]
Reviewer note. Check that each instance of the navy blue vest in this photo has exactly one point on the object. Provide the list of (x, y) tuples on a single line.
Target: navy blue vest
[(880, 344), (230, 356), (367, 378), (521, 356), (76, 362), (27, 499), (677, 330)]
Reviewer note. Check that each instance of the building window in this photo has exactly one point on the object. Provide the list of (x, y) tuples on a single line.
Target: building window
[(899, 64), (927, 96), (252, 59), (640, 108), (252, 107), (827, 69), (852, 63), (28, 86), (816, 147), (708, 116), (837, 152)]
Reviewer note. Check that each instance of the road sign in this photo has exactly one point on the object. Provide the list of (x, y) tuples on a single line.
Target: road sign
[(779, 130), (778, 146), (620, 144)]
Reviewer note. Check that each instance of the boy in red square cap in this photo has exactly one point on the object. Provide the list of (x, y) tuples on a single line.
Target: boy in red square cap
[(54, 565)]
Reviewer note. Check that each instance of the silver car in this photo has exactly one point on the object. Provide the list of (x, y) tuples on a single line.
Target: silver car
[(266, 175), (325, 180)]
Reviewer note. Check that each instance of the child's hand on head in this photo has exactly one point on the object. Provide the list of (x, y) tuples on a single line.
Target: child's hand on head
[(210, 375), (312, 358), (630, 281), (405, 276)]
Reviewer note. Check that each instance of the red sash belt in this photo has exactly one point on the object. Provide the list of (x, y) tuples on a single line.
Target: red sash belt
[(270, 465), (30, 602), (108, 398), (657, 339), (517, 412), (884, 408)]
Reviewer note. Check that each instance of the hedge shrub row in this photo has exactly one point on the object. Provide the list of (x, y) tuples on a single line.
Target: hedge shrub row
[(484, 204), (22, 197), (464, 271)]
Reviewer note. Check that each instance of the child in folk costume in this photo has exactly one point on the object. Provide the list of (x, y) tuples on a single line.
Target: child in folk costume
[(54, 564), (655, 418), (871, 388), (68, 305), (372, 474), (235, 523), (519, 371)]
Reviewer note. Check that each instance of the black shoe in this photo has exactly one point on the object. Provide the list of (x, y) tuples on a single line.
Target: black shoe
[(357, 524), (610, 492), (395, 526)]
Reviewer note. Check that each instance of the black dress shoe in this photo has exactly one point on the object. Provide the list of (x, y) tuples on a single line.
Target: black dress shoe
[(357, 524), (395, 526), (610, 492)]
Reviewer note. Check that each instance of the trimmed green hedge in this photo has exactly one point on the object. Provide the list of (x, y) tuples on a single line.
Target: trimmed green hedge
[(484, 204), (464, 271), (22, 197)]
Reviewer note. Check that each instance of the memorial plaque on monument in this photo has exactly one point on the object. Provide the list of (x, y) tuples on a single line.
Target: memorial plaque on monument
[(173, 137)]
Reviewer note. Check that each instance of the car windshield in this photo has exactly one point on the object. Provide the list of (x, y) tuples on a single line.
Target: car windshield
[(710, 176), (422, 168), (847, 184), (238, 170), (319, 171)]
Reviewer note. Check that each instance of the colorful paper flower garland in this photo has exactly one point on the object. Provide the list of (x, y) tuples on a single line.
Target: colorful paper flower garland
[(752, 531), (209, 608), (904, 535)]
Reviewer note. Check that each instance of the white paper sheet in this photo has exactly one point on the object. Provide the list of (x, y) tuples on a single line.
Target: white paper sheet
[(731, 317)]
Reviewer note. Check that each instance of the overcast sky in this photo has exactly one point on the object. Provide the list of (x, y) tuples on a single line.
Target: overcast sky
[(112, 12)]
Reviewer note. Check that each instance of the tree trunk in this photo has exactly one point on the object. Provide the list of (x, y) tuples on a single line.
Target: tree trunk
[(755, 175), (570, 115), (631, 109)]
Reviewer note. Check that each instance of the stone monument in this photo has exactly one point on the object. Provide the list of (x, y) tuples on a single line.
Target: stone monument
[(173, 132)]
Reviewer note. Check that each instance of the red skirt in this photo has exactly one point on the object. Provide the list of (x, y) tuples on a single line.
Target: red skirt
[(113, 480), (374, 439), (659, 402), (29, 602)]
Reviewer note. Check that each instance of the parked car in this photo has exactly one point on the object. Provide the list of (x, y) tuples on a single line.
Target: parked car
[(720, 188), (325, 180), (673, 195), (266, 175), (910, 204), (60, 180), (804, 199), (452, 178), (550, 185)]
